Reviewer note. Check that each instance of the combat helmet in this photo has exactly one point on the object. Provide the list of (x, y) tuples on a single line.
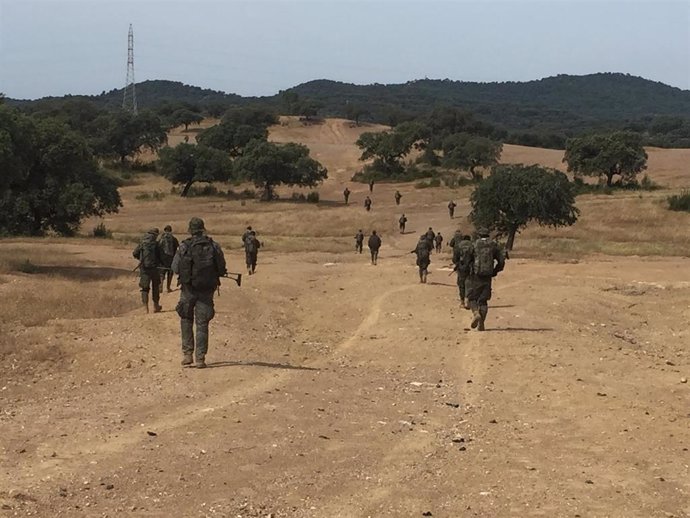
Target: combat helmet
[(196, 225)]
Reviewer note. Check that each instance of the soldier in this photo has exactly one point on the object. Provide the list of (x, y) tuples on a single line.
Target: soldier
[(398, 197), (168, 245), (402, 221), (200, 263), (462, 254), (451, 208), (455, 240), (374, 244), (438, 240), (422, 251), (430, 236), (246, 234), (149, 256), (359, 241), (371, 185), (251, 252), (346, 195), (367, 203), (486, 262)]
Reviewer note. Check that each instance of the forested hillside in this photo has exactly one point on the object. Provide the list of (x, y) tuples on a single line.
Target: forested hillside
[(541, 113)]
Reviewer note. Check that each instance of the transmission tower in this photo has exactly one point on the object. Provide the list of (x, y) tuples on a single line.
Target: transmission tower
[(129, 100)]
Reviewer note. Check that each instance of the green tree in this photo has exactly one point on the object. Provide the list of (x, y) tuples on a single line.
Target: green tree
[(51, 181), (466, 151), (389, 148), (619, 153), (516, 194), (231, 137), (185, 117), (268, 165), (185, 164), (127, 133)]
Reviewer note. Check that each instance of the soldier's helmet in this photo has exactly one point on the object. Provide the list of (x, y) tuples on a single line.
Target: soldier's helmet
[(483, 232), (153, 231), (168, 228), (196, 225)]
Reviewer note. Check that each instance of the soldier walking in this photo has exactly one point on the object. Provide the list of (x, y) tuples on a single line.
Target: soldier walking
[(367, 203), (423, 252), (359, 241), (371, 185), (168, 245), (398, 197), (401, 222), (149, 256), (438, 240), (462, 258), (430, 236), (346, 195), (200, 263), (374, 244), (486, 262), (251, 252), (451, 208)]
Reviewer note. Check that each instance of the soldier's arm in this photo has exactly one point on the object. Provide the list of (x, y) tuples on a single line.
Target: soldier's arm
[(137, 252), (175, 266), (500, 260)]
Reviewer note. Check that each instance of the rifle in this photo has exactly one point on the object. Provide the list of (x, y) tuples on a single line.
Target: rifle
[(237, 277)]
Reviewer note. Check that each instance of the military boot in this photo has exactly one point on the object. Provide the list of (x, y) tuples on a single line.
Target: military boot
[(187, 359), (201, 362), (476, 317), (483, 311), (145, 300), (157, 308), (424, 274)]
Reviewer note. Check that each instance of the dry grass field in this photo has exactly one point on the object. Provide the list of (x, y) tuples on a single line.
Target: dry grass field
[(341, 389)]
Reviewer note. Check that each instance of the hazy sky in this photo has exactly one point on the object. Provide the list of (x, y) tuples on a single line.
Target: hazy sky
[(258, 47)]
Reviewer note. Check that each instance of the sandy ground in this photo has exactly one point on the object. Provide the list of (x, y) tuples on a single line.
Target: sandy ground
[(338, 388)]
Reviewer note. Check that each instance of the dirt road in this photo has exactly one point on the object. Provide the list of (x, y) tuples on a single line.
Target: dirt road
[(341, 389)]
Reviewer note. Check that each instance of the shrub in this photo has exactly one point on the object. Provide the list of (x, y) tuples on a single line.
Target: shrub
[(313, 197), (27, 267), (150, 196), (454, 181), (424, 184), (145, 167), (102, 232), (680, 202)]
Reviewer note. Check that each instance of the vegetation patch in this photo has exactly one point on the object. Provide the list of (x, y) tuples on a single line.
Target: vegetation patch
[(679, 202)]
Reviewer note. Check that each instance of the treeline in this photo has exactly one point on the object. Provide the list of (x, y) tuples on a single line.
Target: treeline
[(543, 113)]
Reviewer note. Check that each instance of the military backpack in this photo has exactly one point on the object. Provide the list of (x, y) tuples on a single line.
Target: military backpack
[(167, 244), (462, 255), (149, 256), (198, 264), (483, 264)]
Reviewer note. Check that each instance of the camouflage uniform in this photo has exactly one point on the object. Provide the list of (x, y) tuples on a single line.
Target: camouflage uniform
[(430, 236), (422, 250), (438, 240), (461, 255), (367, 203), (346, 195), (374, 244), (402, 222), (451, 208), (359, 241), (166, 259), (149, 276), (251, 253), (196, 305), (478, 287), (398, 197)]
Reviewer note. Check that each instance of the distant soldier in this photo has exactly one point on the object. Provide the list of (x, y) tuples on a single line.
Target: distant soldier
[(251, 252), (200, 264), (346, 195), (462, 258), (149, 256), (438, 240), (246, 234), (374, 244), (451, 208), (367, 203), (487, 261), (371, 185), (423, 252), (401, 222), (398, 197), (359, 241), (168, 245), (431, 236)]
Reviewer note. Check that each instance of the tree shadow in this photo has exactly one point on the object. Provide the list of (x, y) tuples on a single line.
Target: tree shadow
[(502, 306), (84, 273), (510, 329), (285, 366)]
